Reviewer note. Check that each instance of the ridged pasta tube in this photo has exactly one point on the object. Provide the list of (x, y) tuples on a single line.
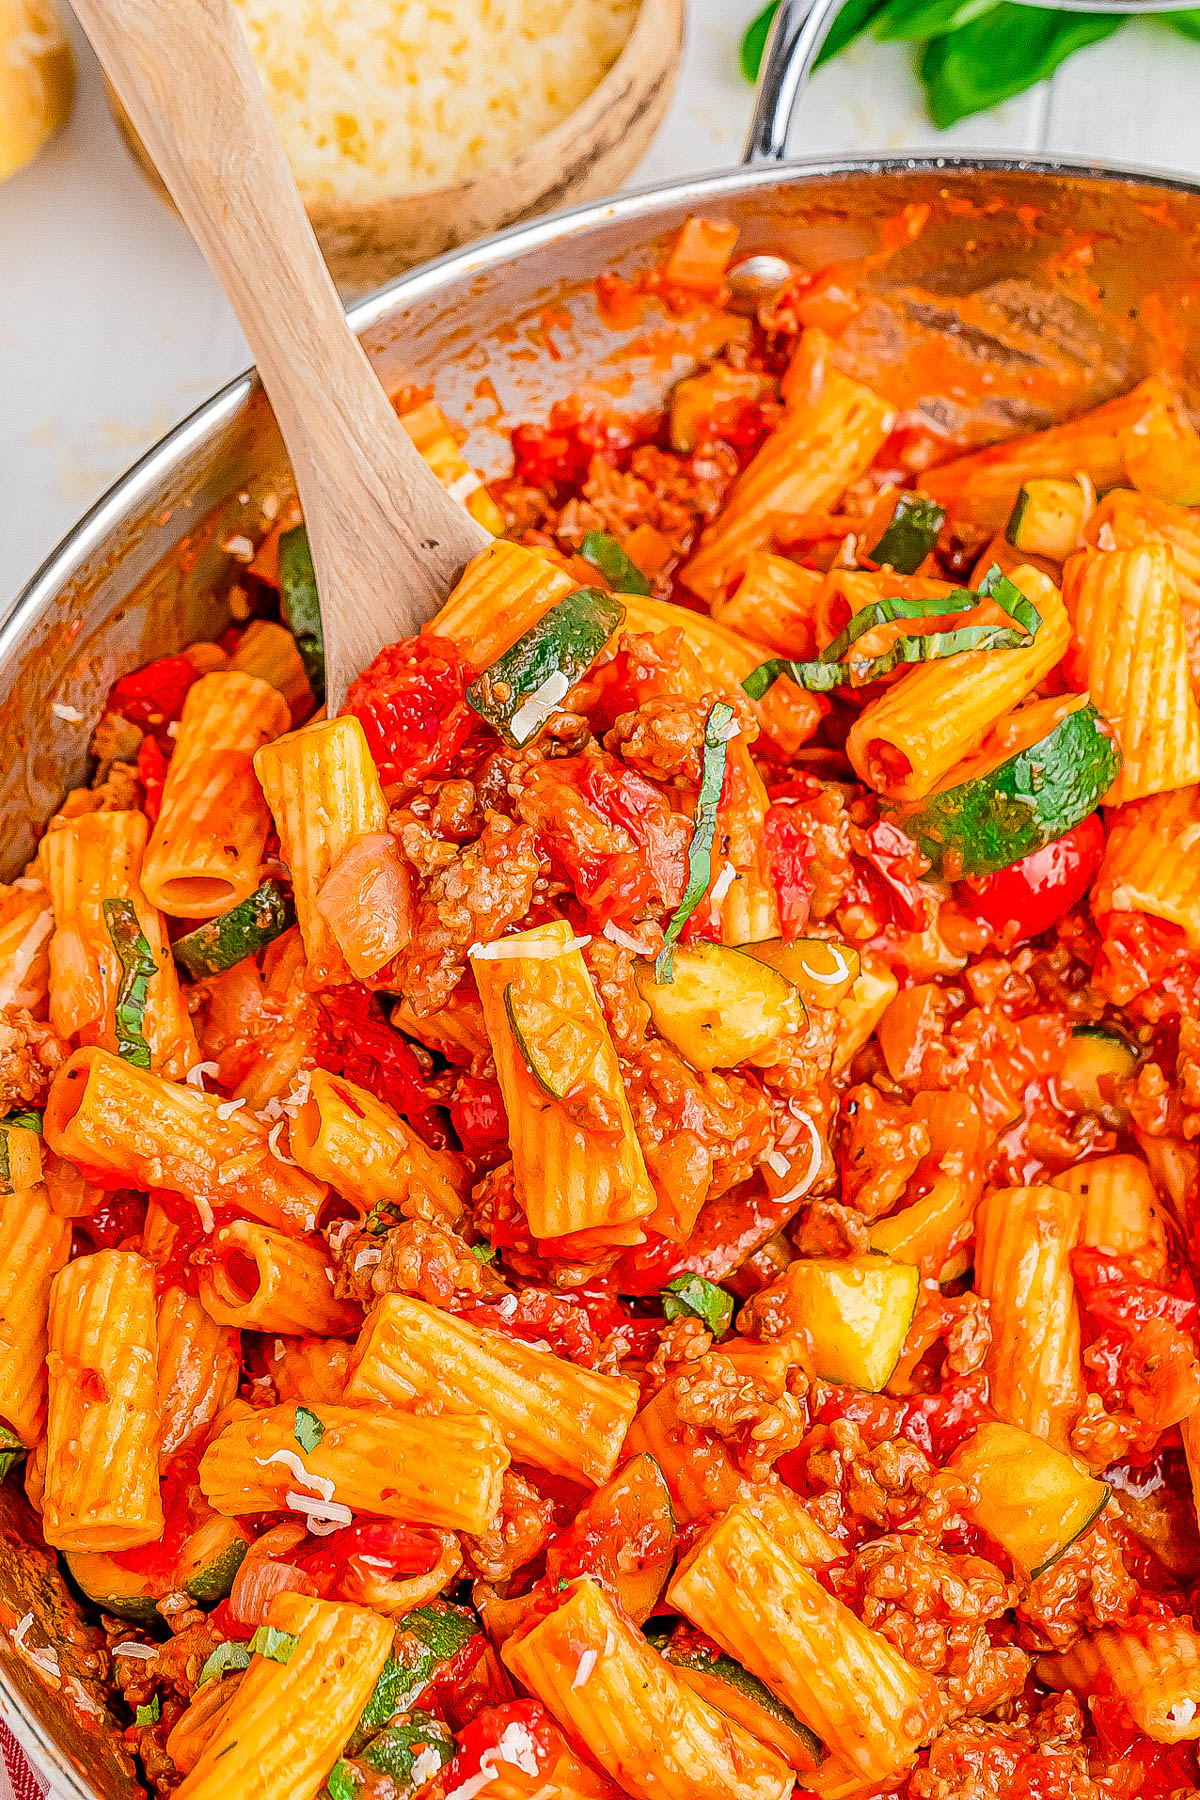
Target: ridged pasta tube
[(1023, 1243), (903, 743), (102, 1427), (26, 922), (323, 790), (1121, 1211), (199, 1364), (310, 1369), (206, 847), (34, 1245), (869, 1706), (288, 1720), (264, 1280), (822, 444), (632, 1712), (552, 1413), (1130, 644), (503, 592), (1152, 861), (443, 1471), (87, 861), (106, 1114), (1154, 1669), (775, 604), (368, 1153), (571, 1175)]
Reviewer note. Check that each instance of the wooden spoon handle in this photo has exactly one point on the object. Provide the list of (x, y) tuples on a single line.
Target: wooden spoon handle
[(387, 540)]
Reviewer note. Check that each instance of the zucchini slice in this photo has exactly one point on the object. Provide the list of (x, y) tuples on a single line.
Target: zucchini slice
[(300, 606), (614, 563), (995, 809), (557, 1047), (911, 534), (822, 970), (20, 1152), (739, 1696), (1094, 1054), (1048, 518), (1032, 1498), (625, 1534), (721, 1007), (519, 691), (204, 1567), (406, 1752), (245, 929), (426, 1638), (857, 1310)]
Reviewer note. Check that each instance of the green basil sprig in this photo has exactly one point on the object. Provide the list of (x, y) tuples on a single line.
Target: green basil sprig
[(695, 1297), (834, 669), (138, 968), (717, 734), (618, 569), (308, 1430)]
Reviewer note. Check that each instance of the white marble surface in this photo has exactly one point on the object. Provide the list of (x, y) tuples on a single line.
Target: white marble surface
[(111, 327)]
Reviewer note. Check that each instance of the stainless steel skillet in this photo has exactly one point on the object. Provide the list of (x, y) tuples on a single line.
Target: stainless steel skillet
[(1062, 281)]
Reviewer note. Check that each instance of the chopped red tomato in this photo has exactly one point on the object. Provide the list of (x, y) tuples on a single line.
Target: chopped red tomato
[(363, 1047), (227, 1627), (1141, 1356), (557, 455), (386, 1548), (411, 706), (153, 697), (521, 1725), (536, 1316), (152, 773), (613, 835), (898, 863), (789, 857), (936, 1423), (1141, 952), (120, 1215), (479, 1120), (1136, 1765), (190, 1247), (1033, 894)]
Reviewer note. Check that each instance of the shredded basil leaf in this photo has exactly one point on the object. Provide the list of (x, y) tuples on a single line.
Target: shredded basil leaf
[(309, 1430), (138, 966), (28, 1121), (149, 1715), (704, 828), (342, 1783), (618, 569), (484, 1253), (834, 669), (694, 1297), (225, 1660), (278, 1645)]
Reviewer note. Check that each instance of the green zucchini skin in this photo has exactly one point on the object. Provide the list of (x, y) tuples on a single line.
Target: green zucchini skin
[(245, 929), (426, 1638), (994, 820), (519, 691), (300, 605), (910, 534)]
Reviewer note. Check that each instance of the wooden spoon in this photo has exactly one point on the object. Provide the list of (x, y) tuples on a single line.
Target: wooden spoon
[(388, 542)]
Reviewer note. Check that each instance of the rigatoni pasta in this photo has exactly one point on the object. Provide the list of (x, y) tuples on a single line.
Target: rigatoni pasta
[(34, 1245), (1024, 1240), (264, 1280), (206, 847), (103, 1421), (343, 1135)]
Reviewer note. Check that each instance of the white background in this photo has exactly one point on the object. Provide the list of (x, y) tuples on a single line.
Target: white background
[(111, 328)]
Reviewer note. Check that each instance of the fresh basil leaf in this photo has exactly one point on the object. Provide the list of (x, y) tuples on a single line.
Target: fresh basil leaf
[(910, 535), (138, 968), (484, 1253), (694, 1297), (300, 605), (618, 569), (225, 1660), (835, 669), (915, 21), (1009, 49), (149, 1715), (853, 19), (278, 1645), (401, 1745), (308, 1429), (28, 1121), (704, 827)]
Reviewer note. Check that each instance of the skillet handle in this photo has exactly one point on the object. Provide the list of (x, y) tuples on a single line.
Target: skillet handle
[(799, 30)]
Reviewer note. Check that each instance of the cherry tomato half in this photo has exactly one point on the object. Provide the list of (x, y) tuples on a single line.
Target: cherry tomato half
[(1030, 896), (410, 704)]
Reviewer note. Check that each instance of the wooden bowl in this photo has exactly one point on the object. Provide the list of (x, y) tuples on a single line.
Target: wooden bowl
[(586, 155)]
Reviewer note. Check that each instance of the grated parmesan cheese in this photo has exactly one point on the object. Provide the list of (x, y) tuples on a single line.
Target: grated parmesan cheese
[(44, 1659), (540, 950), (197, 1074), (388, 97), (320, 1484)]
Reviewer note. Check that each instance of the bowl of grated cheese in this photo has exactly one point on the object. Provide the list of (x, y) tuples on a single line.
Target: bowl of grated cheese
[(414, 126)]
